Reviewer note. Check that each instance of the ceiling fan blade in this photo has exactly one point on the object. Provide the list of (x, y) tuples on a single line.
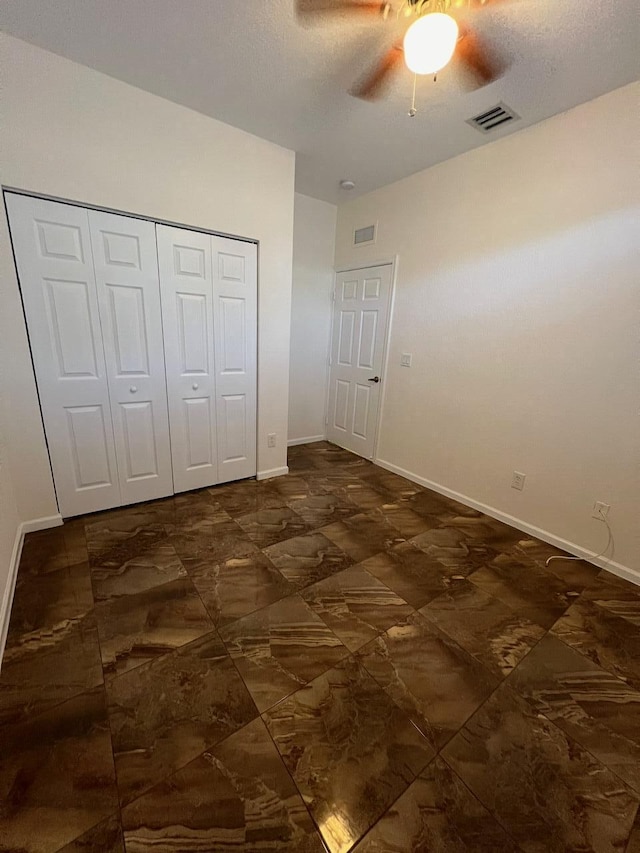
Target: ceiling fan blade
[(482, 64), (306, 8), (373, 85)]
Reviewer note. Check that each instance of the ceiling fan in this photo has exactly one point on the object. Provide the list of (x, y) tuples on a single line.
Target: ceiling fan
[(431, 40)]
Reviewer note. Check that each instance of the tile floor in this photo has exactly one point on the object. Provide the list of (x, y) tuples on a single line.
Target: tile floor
[(334, 660)]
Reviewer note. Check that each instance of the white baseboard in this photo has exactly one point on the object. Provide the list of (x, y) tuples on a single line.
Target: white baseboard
[(625, 572), (10, 588), (308, 440), (42, 523), (272, 472)]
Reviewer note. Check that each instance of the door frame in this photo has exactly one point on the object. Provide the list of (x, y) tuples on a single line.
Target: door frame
[(392, 261), (5, 188)]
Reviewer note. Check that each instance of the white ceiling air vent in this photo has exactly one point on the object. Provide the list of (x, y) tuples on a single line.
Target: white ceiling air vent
[(361, 236), (491, 119)]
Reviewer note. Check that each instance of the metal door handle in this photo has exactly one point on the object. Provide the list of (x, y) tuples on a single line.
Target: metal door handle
[(375, 379)]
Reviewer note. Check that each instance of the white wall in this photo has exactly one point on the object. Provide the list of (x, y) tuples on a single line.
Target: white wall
[(76, 134), (518, 295), (313, 250), (10, 522)]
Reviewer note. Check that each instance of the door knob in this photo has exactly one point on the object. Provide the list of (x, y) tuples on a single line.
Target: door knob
[(375, 379), (133, 389), (195, 386)]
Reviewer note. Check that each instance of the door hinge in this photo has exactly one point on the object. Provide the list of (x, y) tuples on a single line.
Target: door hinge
[(333, 295)]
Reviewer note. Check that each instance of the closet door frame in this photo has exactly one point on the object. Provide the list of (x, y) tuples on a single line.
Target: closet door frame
[(87, 207)]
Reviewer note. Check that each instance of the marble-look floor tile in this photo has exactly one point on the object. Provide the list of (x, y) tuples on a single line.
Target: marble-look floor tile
[(326, 453), (304, 560), (356, 606), (404, 519), (156, 565), (361, 495), (136, 628), (301, 463), (437, 813), (488, 629), (54, 549), (363, 535), (268, 526), (237, 796), (477, 527), (454, 549), (539, 595), (335, 480), (106, 837), (435, 506), (219, 542), (56, 775), (575, 575), (165, 713), (44, 601), (192, 515), (389, 483), (596, 709), (281, 647), (549, 793), (539, 551), (47, 667), (412, 574), (238, 586), (430, 677), (320, 510), (604, 624), (350, 750), (246, 496), (633, 845), (114, 537), (293, 488)]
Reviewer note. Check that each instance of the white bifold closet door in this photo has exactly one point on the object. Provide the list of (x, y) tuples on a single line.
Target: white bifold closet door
[(90, 289), (126, 268), (209, 316)]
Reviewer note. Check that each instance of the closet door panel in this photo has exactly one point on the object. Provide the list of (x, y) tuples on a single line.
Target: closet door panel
[(126, 268), (235, 324), (53, 255), (187, 318)]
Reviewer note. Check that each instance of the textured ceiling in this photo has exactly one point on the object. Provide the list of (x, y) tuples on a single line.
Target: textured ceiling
[(251, 64)]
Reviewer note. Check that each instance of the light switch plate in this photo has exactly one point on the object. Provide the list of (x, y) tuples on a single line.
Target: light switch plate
[(405, 359)]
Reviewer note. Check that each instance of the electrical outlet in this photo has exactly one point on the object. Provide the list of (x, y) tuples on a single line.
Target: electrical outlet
[(271, 439), (600, 510), (517, 480), (405, 359)]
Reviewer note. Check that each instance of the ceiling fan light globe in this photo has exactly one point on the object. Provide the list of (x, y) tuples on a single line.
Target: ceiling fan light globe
[(429, 43)]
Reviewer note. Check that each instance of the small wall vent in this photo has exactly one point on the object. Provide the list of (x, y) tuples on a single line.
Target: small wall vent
[(491, 119), (364, 235)]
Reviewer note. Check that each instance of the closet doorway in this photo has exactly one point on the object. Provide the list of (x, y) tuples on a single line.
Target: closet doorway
[(143, 339)]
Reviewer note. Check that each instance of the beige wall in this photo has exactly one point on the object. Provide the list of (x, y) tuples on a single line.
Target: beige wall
[(76, 134), (518, 296), (313, 249)]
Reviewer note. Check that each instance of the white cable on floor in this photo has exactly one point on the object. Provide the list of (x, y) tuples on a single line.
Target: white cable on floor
[(601, 554)]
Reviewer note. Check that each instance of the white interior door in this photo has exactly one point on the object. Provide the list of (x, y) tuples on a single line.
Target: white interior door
[(359, 329), (126, 269), (53, 255), (187, 319), (235, 309)]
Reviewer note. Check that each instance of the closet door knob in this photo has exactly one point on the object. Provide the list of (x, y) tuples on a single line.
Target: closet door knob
[(133, 389), (195, 386)]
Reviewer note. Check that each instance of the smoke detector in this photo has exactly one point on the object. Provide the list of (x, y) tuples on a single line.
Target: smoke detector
[(347, 185)]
